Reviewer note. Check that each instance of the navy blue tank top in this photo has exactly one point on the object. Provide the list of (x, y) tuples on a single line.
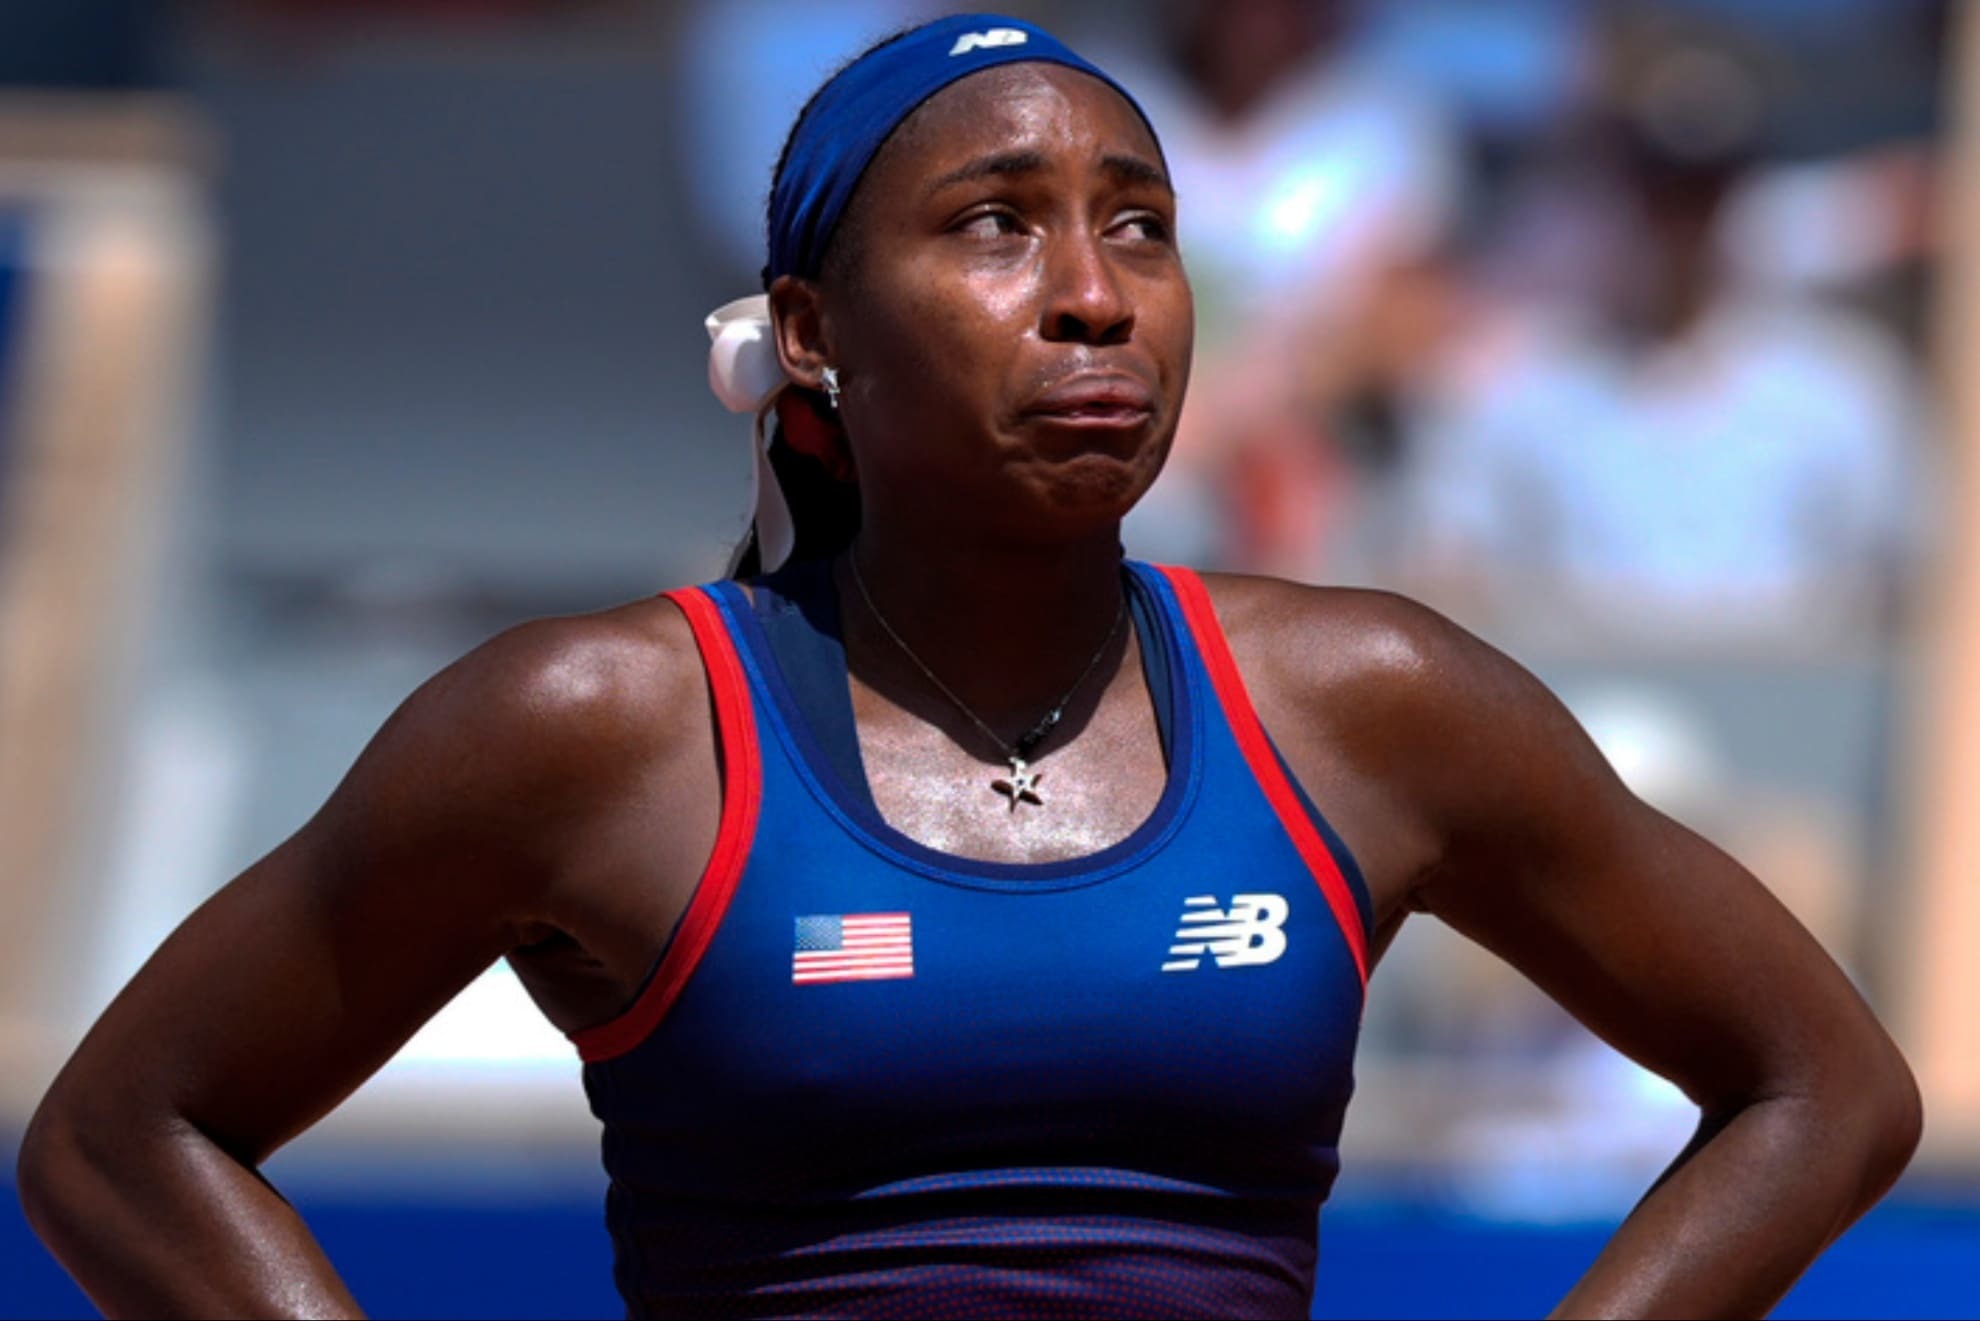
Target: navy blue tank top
[(866, 1078)]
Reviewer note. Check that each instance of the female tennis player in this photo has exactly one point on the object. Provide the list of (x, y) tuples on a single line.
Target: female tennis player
[(948, 920)]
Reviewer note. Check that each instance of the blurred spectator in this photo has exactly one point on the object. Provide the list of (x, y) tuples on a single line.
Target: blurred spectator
[(1313, 187), (1666, 436)]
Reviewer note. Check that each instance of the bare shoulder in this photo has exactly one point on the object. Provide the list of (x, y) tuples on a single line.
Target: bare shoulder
[(1335, 642), (575, 685), (530, 731), (1453, 730)]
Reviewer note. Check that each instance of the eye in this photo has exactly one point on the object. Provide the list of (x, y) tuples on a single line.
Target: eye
[(990, 224), (1144, 226)]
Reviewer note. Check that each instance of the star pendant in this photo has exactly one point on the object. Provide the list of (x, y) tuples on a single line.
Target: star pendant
[(1018, 786)]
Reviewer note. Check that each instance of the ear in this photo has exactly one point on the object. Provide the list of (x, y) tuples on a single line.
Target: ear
[(803, 344)]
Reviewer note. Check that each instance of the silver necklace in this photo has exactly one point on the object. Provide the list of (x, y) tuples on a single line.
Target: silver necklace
[(1021, 785)]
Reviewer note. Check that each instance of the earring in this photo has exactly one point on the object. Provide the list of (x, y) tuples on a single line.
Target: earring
[(831, 376)]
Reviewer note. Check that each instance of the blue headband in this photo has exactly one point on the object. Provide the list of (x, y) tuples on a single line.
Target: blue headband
[(865, 102)]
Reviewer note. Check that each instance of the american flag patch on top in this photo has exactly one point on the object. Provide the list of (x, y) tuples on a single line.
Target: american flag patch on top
[(853, 947)]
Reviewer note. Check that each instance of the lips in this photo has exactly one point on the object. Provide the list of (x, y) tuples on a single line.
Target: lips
[(1099, 401)]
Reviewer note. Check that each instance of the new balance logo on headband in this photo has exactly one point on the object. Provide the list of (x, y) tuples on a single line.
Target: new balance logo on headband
[(989, 40)]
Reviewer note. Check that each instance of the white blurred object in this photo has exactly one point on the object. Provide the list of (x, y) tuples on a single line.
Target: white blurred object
[(182, 799), (492, 1022), (1756, 481), (1809, 227), (1660, 746), (1590, 1155), (1337, 175)]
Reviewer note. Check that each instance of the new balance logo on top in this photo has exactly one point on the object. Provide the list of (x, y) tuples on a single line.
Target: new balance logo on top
[(1250, 932), (991, 39)]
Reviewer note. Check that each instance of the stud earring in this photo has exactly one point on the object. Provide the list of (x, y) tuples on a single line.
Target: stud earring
[(831, 377)]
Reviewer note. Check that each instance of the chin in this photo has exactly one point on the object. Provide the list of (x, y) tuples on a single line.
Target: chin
[(1077, 490), (1096, 488)]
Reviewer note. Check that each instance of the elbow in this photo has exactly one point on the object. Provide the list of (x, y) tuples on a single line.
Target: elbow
[(1897, 1126), (1849, 1120), (59, 1169), (1875, 1113), (37, 1168)]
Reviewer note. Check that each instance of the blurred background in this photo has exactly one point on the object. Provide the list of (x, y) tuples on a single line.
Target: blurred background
[(336, 335)]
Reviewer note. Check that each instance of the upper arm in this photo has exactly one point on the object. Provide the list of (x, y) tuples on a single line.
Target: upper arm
[(443, 848), (1652, 937)]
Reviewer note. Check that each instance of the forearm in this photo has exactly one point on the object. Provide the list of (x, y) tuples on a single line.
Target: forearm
[(168, 1224), (1746, 1209)]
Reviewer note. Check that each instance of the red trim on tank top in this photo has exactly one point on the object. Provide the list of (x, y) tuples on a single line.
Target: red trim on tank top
[(1239, 713), (742, 795)]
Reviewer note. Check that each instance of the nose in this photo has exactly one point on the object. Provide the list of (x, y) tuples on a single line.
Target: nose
[(1085, 299)]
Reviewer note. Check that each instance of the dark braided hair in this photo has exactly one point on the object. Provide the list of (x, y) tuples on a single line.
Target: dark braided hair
[(824, 509)]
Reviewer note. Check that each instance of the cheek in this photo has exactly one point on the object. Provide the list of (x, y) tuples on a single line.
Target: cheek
[(948, 335), (1176, 320), (971, 327), (1002, 302)]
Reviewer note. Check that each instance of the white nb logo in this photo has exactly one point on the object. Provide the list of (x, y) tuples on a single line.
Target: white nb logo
[(989, 40), (1250, 932)]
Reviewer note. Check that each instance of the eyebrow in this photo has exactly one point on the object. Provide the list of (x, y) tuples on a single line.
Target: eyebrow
[(1134, 169), (1011, 164)]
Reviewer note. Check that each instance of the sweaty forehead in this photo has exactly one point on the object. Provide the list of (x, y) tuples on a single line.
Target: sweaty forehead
[(1014, 107)]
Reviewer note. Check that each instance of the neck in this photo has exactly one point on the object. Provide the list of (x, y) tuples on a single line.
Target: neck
[(1007, 628)]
